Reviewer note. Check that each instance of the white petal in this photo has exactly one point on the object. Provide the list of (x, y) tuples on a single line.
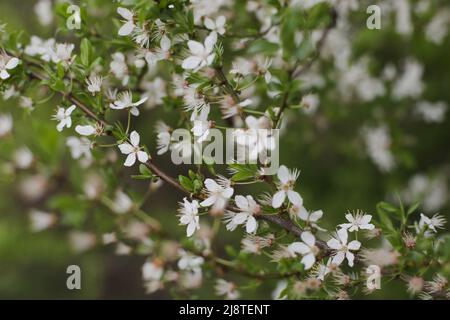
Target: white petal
[(209, 24), (316, 215), (12, 63), (4, 74), (85, 130), (131, 159), (208, 202), (283, 174), (195, 47), (334, 244), (349, 217), (191, 228), (241, 202), (299, 247), (165, 43), (210, 41), (240, 218), (69, 110), (125, 13), (350, 257), (140, 102), (308, 238), (251, 225), (142, 156), (227, 193), (354, 245), (343, 235), (338, 258), (134, 111), (278, 199), (308, 261), (126, 148), (303, 214), (295, 198), (211, 185), (126, 29), (191, 62), (134, 138), (220, 21)]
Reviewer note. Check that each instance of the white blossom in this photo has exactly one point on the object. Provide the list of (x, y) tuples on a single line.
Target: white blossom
[(63, 116), (121, 203), (343, 250), (201, 54), (357, 221), (248, 209), (189, 216), (7, 63), (6, 124), (306, 248), (435, 222), (285, 188), (41, 220), (217, 196), (133, 150), (94, 84), (125, 101), (227, 289), (217, 25)]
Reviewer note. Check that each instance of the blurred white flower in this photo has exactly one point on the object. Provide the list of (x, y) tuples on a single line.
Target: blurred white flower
[(227, 289), (431, 112), (81, 241), (121, 203), (41, 220), (44, 12), (23, 158), (7, 63), (435, 222), (217, 25), (94, 84), (6, 124), (63, 116), (119, 68), (79, 147)]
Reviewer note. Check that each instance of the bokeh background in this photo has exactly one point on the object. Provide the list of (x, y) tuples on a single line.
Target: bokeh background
[(328, 145)]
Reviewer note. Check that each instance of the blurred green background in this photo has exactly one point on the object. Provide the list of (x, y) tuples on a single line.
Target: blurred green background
[(336, 174)]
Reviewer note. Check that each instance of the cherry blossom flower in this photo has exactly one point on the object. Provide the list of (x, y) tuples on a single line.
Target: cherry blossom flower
[(62, 52), (41, 220), (201, 54), (79, 147), (7, 63), (189, 216), (125, 101), (217, 25), (94, 84), (121, 203), (249, 208), (88, 130), (154, 55), (23, 158), (357, 221), (128, 27), (287, 181), (189, 261), (343, 250), (119, 68), (435, 222), (306, 248), (133, 150), (217, 196), (201, 125), (227, 289), (163, 137), (42, 48), (26, 103), (63, 116)]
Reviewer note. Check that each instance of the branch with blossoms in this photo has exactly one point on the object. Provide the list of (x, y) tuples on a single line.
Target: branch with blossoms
[(192, 60)]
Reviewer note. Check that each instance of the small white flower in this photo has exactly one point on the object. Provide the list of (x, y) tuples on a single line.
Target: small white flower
[(133, 150), (306, 248), (152, 270), (163, 137), (308, 217), (7, 63), (343, 250), (125, 101), (216, 26), (357, 221), (128, 27), (435, 222), (163, 53), (322, 270), (63, 116), (189, 262), (227, 289), (201, 125), (23, 158), (26, 103), (89, 130), (287, 181), (201, 54), (189, 216), (122, 203), (41, 220), (6, 124), (62, 53), (119, 68), (79, 147), (249, 207), (94, 84), (217, 196)]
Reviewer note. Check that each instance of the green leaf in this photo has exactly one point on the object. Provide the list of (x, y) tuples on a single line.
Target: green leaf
[(86, 52), (186, 183)]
